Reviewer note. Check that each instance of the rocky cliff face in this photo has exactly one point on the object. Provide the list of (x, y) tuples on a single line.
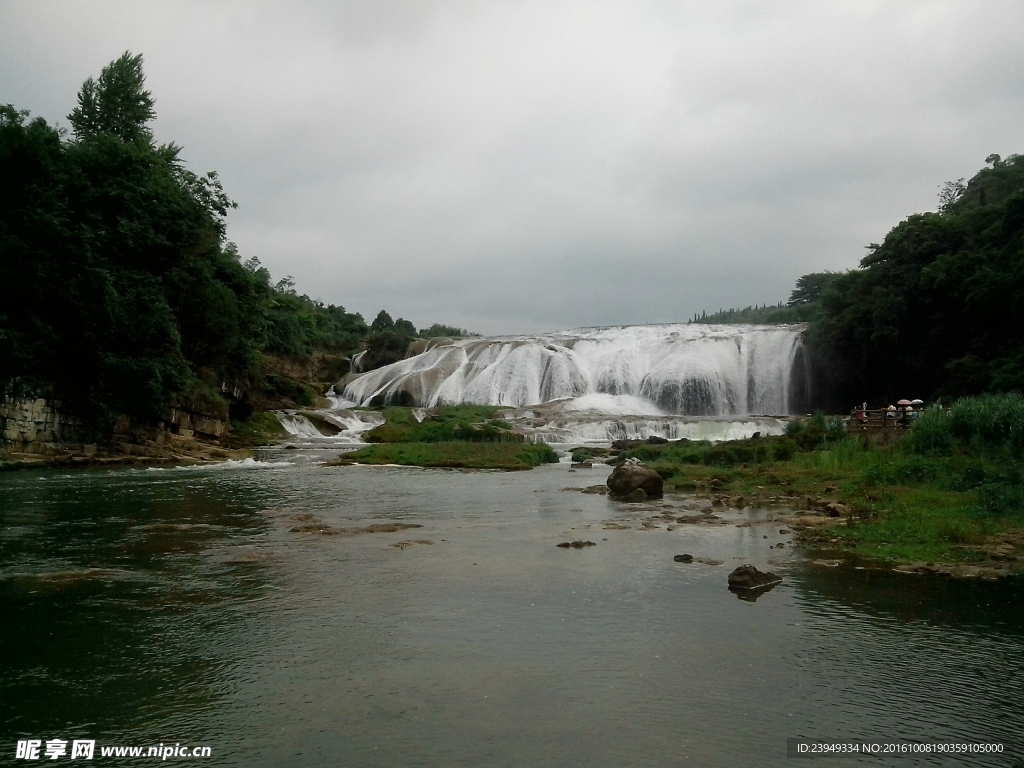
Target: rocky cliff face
[(36, 426)]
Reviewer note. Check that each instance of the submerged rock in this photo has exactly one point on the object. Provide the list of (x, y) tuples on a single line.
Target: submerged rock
[(407, 544), (683, 558), (576, 544), (311, 524), (625, 445), (748, 577), (632, 476)]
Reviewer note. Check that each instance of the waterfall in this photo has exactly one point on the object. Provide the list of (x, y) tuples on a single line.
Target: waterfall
[(692, 370), (297, 425), (337, 424)]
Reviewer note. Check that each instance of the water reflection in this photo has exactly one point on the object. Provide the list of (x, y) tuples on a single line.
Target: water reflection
[(145, 606), (113, 613), (751, 595), (963, 604)]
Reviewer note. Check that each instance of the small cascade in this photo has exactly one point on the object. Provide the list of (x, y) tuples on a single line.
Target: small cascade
[(691, 370), (334, 425), (297, 425), (562, 423)]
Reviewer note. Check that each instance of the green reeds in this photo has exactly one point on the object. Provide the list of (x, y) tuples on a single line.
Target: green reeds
[(989, 425)]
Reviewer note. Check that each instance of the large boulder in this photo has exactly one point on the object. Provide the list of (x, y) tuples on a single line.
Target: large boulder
[(748, 577), (632, 476)]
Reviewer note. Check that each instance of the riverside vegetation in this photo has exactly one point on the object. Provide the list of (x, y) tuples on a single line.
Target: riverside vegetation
[(949, 490), (124, 298), (936, 310), (465, 436)]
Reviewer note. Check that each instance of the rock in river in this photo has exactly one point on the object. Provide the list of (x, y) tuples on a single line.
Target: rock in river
[(683, 558), (748, 577), (633, 475)]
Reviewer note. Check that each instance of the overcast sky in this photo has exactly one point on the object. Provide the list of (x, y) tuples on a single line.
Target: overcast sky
[(526, 166)]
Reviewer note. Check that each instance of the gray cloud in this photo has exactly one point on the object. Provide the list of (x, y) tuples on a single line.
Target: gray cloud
[(515, 166)]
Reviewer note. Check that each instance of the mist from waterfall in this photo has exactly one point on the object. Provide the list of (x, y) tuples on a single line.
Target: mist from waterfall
[(692, 370)]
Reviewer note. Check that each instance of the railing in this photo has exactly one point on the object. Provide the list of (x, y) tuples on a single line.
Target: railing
[(880, 420)]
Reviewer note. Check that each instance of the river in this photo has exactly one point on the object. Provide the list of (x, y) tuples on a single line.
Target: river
[(146, 606)]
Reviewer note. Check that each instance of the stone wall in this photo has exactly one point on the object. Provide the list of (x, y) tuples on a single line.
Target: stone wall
[(36, 426), (187, 424)]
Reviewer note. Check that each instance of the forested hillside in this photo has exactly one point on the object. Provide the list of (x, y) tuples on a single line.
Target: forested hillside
[(935, 310), (121, 292), (938, 307)]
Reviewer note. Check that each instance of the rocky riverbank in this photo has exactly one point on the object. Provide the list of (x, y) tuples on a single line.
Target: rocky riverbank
[(827, 525), (36, 433)]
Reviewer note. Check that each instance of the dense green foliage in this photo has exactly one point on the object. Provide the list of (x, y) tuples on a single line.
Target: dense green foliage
[(121, 293), (938, 307), (992, 425), (935, 310), (816, 431), (765, 314), (439, 329), (725, 454), (802, 306), (383, 347), (297, 325)]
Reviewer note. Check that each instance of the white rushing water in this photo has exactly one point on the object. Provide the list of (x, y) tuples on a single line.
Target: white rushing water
[(335, 424), (642, 370), (563, 423)]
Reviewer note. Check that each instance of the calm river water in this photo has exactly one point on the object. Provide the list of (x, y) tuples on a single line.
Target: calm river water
[(178, 606)]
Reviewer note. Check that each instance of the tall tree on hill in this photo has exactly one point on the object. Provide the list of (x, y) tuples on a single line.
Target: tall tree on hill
[(127, 289), (117, 103), (938, 307)]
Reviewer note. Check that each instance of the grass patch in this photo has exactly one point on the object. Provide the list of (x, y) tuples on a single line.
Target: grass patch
[(457, 453), (472, 423), (941, 496), (261, 428), (460, 436)]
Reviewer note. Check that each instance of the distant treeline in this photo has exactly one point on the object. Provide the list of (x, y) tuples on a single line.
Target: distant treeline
[(935, 310), (120, 290), (766, 313)]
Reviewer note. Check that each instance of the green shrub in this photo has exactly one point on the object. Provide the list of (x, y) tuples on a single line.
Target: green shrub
[(456, 454), (1001, 499), (726, 454), (816, 431), (904, 470), (470, 423), (990, 424), (535, 454)]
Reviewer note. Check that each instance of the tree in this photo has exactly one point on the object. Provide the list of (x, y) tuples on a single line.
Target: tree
[(117, 103), (949, 193), (938, 307), (809, 288), (382, 322), (124, 294), (405, 327), (439, 329)]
